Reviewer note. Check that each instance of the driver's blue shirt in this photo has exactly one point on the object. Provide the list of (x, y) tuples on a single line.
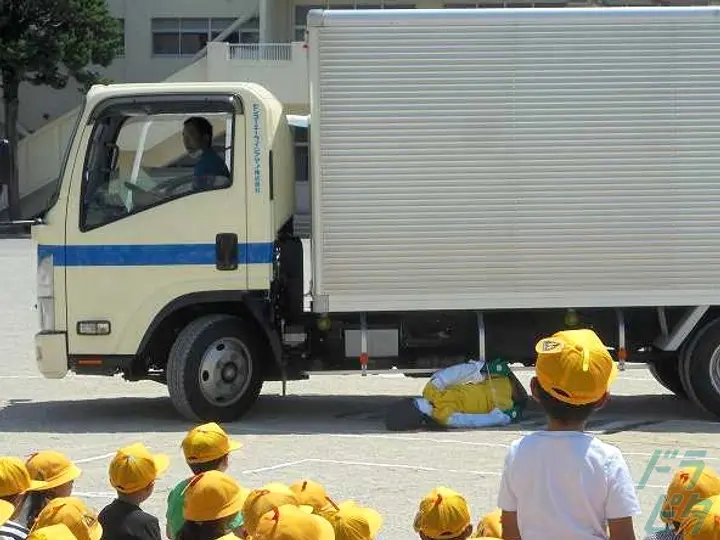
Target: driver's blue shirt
[(209, 166)]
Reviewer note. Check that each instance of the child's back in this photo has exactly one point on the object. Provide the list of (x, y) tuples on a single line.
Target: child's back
[(133, 472), (566, 484), (563, 482), (206, 448)]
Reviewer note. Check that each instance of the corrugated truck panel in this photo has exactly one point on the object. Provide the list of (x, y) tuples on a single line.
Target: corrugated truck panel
[(486, 159)]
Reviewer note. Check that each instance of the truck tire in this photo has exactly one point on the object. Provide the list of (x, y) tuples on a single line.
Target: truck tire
[(667, 373), (700, 368), (213, 370)]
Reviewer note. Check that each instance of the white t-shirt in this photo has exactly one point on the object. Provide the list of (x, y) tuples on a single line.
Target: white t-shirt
[(566, 484)]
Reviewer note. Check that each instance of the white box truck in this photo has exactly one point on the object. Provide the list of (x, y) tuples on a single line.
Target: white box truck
[(480, 179)]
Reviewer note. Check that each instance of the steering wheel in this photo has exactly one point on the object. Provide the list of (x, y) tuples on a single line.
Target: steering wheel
[(173, 184), (137, 189)]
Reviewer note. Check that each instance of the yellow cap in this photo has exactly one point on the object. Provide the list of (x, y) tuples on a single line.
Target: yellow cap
[(53, 532), (261, 501), (352, 522), (15, 478), (52, 467), (443, 513), (688, 486), (490, 525), (134, 468), (310, 493), (703, 522), (73, 513), (6, 511), (207, 442), (213, 495), (574, 366), (289, 522)]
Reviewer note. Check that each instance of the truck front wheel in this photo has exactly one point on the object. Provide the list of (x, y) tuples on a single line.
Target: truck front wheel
[(213, 370)]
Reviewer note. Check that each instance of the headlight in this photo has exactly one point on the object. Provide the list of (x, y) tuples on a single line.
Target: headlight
[(45, 293)]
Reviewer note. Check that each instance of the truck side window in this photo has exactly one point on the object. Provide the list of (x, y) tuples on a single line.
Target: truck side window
[(138, 162)]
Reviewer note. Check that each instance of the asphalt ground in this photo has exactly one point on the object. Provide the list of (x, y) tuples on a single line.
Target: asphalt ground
[(329, 428)]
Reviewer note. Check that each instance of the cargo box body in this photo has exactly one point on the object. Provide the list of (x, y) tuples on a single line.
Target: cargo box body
[(515, 159)]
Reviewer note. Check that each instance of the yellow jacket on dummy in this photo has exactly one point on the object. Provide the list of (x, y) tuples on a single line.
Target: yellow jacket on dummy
[(464, 395)]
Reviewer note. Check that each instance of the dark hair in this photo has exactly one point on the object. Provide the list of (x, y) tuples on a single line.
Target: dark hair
[(203, 530), (202, 126), (36, 501), (561, 411), (213, 465)]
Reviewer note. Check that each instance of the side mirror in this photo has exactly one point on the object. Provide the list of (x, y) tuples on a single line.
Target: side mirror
[(5, 169)]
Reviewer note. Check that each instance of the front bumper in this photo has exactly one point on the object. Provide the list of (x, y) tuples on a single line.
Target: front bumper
[(51, 354)]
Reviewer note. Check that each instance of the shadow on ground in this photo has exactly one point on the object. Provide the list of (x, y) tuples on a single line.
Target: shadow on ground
[(317, 414)]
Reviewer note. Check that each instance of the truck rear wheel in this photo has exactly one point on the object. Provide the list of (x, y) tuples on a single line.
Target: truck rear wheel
[(700, 367), (213, 370), (667, 373)]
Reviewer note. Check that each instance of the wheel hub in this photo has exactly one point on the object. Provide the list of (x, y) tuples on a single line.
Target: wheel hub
[(225, 371), (229, 372)]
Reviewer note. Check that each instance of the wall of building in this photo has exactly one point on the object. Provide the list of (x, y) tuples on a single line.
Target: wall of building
[(40, 105)]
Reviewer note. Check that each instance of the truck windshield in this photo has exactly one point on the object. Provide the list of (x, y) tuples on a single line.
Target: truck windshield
[(140, 161)]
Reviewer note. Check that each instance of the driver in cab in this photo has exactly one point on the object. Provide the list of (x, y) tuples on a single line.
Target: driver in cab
[(197, 136)]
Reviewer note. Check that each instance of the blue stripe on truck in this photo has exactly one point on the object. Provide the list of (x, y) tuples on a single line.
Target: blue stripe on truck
[(151, 254)]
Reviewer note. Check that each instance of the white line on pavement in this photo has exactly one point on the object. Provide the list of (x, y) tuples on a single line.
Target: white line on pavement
[(95, 494), (275, 467), (368, 464), (95, 458)]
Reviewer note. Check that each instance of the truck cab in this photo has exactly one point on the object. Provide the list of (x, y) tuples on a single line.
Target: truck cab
[(165, 233)]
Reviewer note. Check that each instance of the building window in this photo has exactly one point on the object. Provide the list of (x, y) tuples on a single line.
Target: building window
[(301, 12), (121, 52), (508, 4), (186, 37)]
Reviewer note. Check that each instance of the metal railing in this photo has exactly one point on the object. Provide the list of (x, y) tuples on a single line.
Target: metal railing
[(274, 52)]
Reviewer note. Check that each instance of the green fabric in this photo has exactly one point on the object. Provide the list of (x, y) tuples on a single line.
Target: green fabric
[(174, 514), (501, 367)]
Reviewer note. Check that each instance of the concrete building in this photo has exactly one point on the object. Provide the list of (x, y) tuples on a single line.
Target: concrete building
[(256, 40)]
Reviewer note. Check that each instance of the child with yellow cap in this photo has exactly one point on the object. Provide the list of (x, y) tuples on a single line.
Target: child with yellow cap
[(290, 522), (73, 513), (15, 484), (6, 511), (689, 486), (59, 474), (260, 501), (703, 521), (212, 502), (133, 472), (53, 532), (311, 493), (352, 522), (443, 515), (206, 448), (564, 482), (489, 525)]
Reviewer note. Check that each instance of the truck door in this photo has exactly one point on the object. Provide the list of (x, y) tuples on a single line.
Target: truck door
[(151, 216)]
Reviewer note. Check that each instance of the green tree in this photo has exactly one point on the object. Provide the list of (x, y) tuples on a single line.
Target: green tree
[(49, 42)]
